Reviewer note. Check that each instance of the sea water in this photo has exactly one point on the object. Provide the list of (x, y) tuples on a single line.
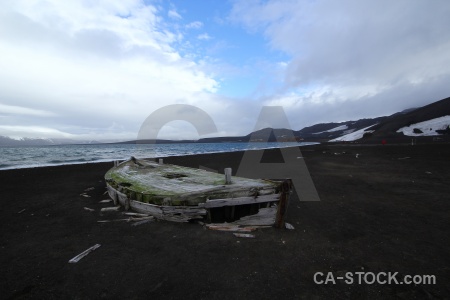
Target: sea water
[(39, 156)]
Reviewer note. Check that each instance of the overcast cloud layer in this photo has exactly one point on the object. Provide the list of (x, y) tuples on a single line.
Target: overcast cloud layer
[(97, 69)]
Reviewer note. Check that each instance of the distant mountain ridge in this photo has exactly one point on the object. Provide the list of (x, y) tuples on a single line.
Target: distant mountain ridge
[(7, 141), (385, 127)]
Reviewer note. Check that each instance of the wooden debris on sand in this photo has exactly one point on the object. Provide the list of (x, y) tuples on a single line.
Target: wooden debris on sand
[(83, 254), (135, 214), (289, 226), (105, 201), (112, 208), (88, 209), (230, 227), (143, 222), (244, 235), (130, 219)]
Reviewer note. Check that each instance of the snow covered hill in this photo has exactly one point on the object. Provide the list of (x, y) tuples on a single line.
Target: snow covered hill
[(427, 128)]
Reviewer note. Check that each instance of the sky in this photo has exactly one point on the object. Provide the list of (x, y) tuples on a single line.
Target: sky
[(95, 70)]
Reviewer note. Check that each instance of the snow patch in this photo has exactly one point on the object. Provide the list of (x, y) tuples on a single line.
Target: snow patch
[(440, 123), (353, 136), (348, 131), (342, 127)]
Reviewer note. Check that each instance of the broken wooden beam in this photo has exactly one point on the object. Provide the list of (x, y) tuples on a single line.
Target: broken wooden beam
[(112, 208), (229, 227), (244, 235), (83, 254)]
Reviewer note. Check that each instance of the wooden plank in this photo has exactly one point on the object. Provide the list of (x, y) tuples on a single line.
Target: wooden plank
[(244, 235), (134, 214), (112, 193), (289, 226), (142, 222), (239, 201), (146, 208), (83, 254), (229, 227), (185, 210), (113, 208)]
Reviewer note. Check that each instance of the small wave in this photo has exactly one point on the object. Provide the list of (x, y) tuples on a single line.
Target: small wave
[(65, 161), (5, 166)]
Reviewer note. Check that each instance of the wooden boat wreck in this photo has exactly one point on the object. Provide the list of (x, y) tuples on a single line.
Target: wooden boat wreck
[(182, 194)]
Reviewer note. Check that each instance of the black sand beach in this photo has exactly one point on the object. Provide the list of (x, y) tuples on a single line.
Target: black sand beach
[(385, 211)]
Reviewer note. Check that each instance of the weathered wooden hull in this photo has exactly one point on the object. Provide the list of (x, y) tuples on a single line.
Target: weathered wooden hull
[(188, 199)]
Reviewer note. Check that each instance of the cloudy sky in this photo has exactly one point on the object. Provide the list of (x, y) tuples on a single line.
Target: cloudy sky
[(86, 69)]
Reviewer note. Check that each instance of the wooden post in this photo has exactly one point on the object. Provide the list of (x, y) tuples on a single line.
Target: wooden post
[(227, 175), (116, 163), (283, 203), (160, 161)]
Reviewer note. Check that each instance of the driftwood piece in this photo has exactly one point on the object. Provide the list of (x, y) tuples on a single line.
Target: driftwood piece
[(229, 227), (19, 212), (289, 226), (88, 209), (134, 214), (143, 222), (89, 189), (105, 201), (84, 195), (244, 235), (112, 208), (83, 254), (116, 220), (130, 219)]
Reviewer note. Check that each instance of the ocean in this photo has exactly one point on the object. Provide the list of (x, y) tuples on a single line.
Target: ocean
[(40, 156)]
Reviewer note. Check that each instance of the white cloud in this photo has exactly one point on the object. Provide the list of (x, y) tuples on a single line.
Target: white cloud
[(32, 132), (355, 51), (174, 15), (78, 67), (204, 36), (194, 25), (18, 110), (91, 64)]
